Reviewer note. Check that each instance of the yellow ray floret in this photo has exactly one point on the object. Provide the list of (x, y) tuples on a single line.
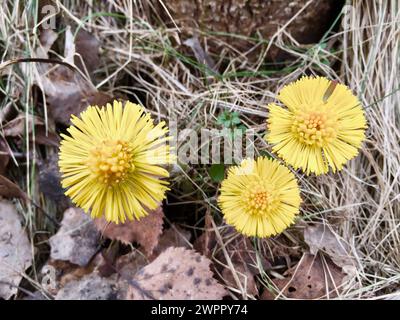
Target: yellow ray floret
[(260, 197), (322, 126), (111, 161)]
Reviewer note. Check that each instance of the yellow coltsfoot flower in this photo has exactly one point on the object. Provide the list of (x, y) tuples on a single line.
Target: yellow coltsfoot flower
[(260, 197), (322, 126), (111, 161)]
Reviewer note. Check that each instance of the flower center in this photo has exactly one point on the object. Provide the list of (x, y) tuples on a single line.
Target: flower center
[(315, 127), (259, 200), (111, 161)]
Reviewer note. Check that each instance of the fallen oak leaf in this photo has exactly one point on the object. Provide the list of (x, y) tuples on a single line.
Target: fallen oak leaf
[(15, 250), (176, 274), (145, 231), (77, 239)]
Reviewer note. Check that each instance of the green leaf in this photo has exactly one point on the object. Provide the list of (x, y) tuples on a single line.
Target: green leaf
[(221, 117), (236, 121), (229, 119), (266, 154), (217, 172)]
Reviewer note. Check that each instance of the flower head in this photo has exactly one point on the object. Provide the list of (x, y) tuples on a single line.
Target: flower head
[(322, 126), (110, 162), (260, 197)]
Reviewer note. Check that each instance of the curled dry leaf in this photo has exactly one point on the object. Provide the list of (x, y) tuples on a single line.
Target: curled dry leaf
[(77, 239), (312, 278), (89, 287), (17, 128), (321, 238), (15, 250), (145, 231), (9, 189), (67, 91), (179, 274)]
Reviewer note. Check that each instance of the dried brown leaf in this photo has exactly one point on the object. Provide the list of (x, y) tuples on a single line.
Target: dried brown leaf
[(7, 113), (17, 128), (241, 251), (175, 236), (207, 240), (77, 239), (129, 264), (4, 155), (87, 47), (9, 189), (243, 257), (321, 238), (178, 274), (57, 273), (15, 250), (89, 287), (246, 263), (312, 278), (146, 231), (48, 138), (46, 41), (246, 278), (67, 91), (49, 182)]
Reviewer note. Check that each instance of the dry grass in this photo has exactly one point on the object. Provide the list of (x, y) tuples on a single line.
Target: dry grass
[(145, 60)]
